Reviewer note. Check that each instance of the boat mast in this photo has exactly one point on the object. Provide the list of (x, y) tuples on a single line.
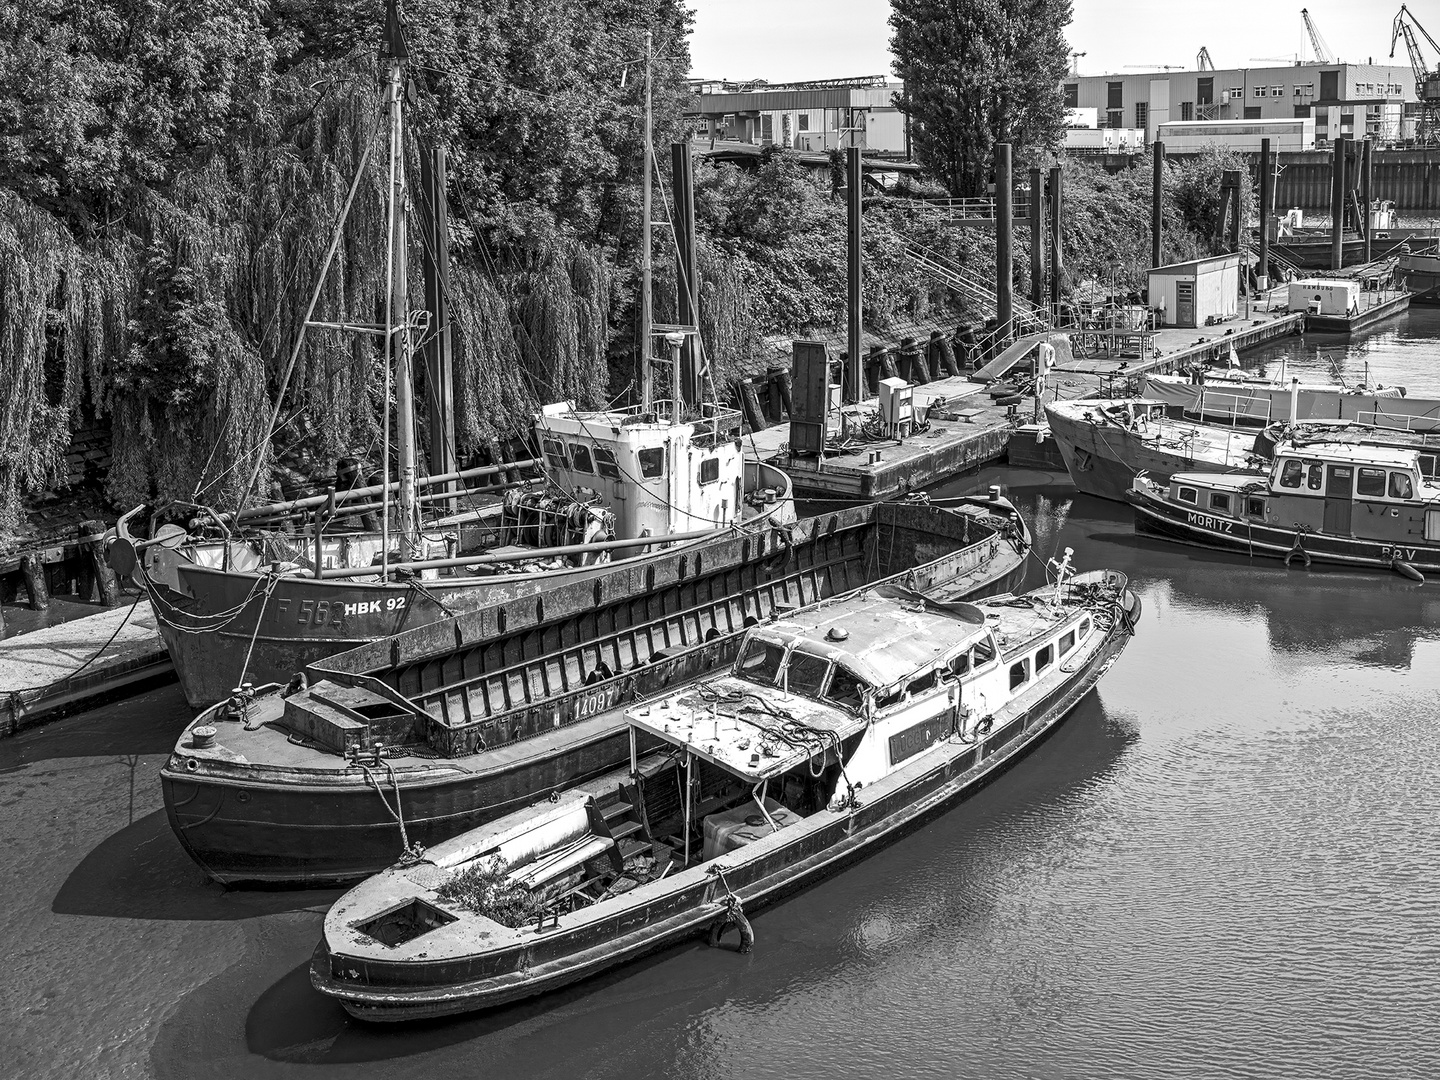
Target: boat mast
[(647, 318), (397, 311)]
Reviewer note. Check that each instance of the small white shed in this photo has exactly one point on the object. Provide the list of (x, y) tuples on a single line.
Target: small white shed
[(1196, 293), (1324, 297)]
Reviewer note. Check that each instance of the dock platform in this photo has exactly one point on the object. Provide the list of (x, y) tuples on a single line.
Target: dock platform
[(45, 674), (967, 429)]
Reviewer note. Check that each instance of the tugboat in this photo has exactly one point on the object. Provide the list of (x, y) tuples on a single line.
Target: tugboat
[(238, 605), (1347, 504), (837, 727), (409, 740)]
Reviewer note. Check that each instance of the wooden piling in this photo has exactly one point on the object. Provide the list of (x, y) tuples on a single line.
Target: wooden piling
[(32, 570)]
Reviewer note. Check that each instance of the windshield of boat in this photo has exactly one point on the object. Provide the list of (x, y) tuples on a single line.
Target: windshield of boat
[(805, 674), (760, 662)]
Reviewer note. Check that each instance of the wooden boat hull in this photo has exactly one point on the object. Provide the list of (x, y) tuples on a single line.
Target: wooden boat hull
[(263, 820), (1155, 516), (223, 627), (1102, 458), (665, 916)]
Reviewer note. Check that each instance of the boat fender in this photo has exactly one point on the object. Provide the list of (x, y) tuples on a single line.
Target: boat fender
[(1405, 569), (733, 915)]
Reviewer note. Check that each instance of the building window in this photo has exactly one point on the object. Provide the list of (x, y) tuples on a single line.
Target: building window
[(1237, 91), (1114, 118), (1187, 110), (1072, 95), (1114, 95), (1277, 91), (1259, 91), (802, 122), (1142, 114)]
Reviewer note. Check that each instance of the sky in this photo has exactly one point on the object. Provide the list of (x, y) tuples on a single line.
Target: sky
[(782, 40)]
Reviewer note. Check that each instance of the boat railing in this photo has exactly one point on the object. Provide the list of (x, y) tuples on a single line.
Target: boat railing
[(1232, 408), (1391, 422)]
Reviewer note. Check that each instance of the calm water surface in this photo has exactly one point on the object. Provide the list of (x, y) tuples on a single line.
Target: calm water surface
[(1404, 351), (1225, 864)]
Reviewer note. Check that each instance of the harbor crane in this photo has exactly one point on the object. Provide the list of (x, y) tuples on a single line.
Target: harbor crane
[(1322, 51), (1075, 62), (1427, 79), (1203, 61)]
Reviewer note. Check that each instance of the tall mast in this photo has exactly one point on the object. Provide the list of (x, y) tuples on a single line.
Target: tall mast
[(397, 312), (646, 315)]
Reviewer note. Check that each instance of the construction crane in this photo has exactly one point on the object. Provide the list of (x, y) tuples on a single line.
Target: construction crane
[(1322, 51), (1427, 80), (1203, 61), (1075, 62)]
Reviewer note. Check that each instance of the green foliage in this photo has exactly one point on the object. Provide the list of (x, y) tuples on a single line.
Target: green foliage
[(977, 73), (485, 889), (1193, 188)]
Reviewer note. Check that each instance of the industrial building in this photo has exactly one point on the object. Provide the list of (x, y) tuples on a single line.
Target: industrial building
[(827, 114), (1352, 100)]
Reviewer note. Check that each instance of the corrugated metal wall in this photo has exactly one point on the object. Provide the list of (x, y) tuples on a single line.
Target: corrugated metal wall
[(1410, 177)]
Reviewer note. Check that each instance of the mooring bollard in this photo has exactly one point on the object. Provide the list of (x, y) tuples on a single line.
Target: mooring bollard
[(32, 570), (103, 587)]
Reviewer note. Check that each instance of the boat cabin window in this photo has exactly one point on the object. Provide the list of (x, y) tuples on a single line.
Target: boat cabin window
[(580, 458), (805, 674), (1188, 494), (1019, 674), (960, 665), (1255, 507), (1067, 642), (555, 454), (923, 685), (1401, 486), (1084, 626), (846, 689), (1427, 466), (1291, 474), (1043, 658), (710, 470), (652, 462), (1314, 475), (605, 463), (761, 662), (1371, 482), (1219, 501), (984, 651)]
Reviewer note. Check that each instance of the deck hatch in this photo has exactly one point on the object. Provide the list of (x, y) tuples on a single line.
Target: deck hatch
[(404, 923)]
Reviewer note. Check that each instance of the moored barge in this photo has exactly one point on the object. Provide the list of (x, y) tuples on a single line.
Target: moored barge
[(412, 739)]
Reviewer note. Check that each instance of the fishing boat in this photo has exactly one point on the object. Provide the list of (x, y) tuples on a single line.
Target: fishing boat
[(251, 596), (836, 728), (411, 739), (1105, 442), (1341, 503)]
